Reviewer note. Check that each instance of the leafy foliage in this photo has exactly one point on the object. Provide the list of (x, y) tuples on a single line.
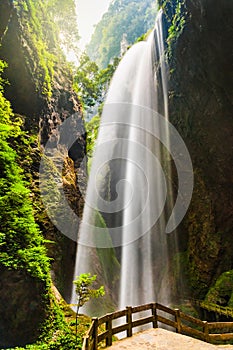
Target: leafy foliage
[(64, 14), (85, 81), (175, 13), (177, 24), (48, 26), (62, 336), (92, 128), (133, 17), (85, 291), (22, 245), (20, 239), (91, 83)]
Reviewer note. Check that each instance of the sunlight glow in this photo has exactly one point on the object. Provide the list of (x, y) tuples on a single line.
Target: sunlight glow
[(89, 13)]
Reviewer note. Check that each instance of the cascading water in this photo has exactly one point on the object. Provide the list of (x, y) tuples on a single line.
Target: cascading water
[(123, 237), (140, 282)]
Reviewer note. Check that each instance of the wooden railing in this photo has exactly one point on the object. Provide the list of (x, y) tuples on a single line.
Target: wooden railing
[(103, 328), (221, 310)]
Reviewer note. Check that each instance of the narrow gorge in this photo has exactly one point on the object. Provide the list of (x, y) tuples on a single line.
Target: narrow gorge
[(180, 71)]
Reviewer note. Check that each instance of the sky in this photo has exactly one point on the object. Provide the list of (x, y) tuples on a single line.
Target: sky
[(89, 13)]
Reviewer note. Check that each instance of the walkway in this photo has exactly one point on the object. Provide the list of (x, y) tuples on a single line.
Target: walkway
[(161, 339)]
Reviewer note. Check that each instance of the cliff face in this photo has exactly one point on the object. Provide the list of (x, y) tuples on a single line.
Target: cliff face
[(43, 96), (201, 95), (22, 89), (21, 313)]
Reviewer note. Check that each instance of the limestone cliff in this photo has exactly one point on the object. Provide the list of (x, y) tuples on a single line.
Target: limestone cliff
[(40, 91), (201, 93)]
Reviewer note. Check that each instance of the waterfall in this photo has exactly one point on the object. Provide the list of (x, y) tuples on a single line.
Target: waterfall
[(129, 204)]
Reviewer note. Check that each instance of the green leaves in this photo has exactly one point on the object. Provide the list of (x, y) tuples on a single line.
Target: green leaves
[(50, 29), (20, 239), (84, 290), (85, 81), (92, 128), (64, 15), (91, 83)]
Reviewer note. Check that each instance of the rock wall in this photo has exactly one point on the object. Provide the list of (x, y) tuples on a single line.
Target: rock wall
[(43, 114), (21, 313), (201, 95)]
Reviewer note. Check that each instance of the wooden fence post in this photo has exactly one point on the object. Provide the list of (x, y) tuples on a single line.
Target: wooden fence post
[(109, 329), (154, 314), (85, 344), (95, 333), (129, 321), (178, 320), (206, 331)]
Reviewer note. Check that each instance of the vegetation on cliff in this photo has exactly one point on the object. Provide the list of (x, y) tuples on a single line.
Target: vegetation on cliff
[(91, 83), (131, 17), (36, 33), (22, 245), (50, 28), (221, 293), (23, 251), (200, 110)]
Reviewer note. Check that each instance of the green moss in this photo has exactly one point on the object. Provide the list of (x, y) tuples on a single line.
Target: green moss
[(176, 16), (144, 36), (92, 128), (20, 239), (47, 37), (22, 244), (58, 331), (204, 242), (177, 23), (60, 334), (222, 291), (107, 257), (35, 21), (180, 274)]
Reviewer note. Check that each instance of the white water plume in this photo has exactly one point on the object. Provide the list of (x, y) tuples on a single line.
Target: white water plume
[(129, 202)]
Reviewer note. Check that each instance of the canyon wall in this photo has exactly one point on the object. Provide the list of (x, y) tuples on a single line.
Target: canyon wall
[(40, 92), (200, 101)]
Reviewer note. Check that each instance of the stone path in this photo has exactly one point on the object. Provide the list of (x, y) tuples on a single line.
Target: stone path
[(161, 339)]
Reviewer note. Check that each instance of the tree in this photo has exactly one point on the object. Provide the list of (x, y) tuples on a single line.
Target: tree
[(84, 291), (64, 15), (85, 82), (91, 83)]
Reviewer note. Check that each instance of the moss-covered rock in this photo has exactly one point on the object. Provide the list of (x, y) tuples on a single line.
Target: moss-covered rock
[(40, 93), (23, 307), (40, 90), (204, 241), (221, 292)]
